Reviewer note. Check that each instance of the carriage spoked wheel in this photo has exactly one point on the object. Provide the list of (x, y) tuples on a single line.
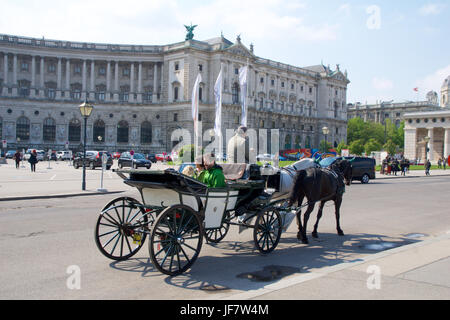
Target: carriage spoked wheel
[(119, 231), (217, 235), (176, 239), (267, 229)]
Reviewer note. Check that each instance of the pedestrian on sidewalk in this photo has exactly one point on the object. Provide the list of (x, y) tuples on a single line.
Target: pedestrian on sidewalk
[(17, 159), (445, 163), (439, 163), (33, 160), (427, 167)]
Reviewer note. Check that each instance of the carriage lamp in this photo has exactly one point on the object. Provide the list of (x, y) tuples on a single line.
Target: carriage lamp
[(86, 110)]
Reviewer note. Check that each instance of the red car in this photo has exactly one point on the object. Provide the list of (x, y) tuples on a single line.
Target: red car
[(163, 157), (116, 155)]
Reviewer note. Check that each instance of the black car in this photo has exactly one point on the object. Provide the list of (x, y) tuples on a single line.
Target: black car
[(52, 157), (363, 168), (151, 157), (135, 161), (93, 160)]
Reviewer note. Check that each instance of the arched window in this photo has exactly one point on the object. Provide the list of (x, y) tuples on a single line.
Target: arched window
[(49, 129), (297, 142), (235, 93), (308, 142), (287, 142), (23, 129), (99, 131), (146, 132), (75, 130), (122, 131)]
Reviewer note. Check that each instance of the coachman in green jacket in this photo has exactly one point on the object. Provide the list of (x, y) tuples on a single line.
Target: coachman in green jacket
[(213, 176)]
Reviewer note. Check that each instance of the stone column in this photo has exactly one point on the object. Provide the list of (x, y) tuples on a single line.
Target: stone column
[(431, 145), (92, 86), (161, 83), (59, 79), (116, 82), (83, 82), (67, 95), (132, 91), (446, 142), (33, 77), (410, 144), (139, 96), (108, 80), (155, 83), (14, 84), (41, 84), (5, 74)]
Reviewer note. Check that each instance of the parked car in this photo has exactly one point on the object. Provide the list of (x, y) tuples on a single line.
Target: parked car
[(363, 168), (265, 157), (93, 160), (40, 155), (52, 156), (151, 157), (135, 161), (63, 155), (10, 154), (116, 155), (163, 157)]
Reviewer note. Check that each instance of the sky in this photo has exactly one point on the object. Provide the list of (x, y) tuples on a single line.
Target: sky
[(387, 47)]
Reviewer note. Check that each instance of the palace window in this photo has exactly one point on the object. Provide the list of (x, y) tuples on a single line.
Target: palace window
[(235, 93), (99, 131), (100, 92), (49, 129), (124, 93), (75, 130), (175, 93), (23, 128), (51, 68), (77, 69), (101, 71), (24, 66), (122, 131), (75, 91), (146, 132), (24, 88)]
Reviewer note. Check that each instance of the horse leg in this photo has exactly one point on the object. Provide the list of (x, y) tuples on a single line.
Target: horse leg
[(337, 204), (319, 215), (299, 219), (304, 238)]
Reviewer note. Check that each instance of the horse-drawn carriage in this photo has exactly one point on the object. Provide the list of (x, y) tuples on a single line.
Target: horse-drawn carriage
[(177, 212)]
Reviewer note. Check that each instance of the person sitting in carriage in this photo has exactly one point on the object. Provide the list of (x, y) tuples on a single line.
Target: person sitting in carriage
[(213, 175)]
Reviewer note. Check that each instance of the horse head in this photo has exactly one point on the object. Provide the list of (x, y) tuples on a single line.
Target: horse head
[(345, 168)]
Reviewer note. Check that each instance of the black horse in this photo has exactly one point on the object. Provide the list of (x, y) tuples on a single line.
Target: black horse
[(318, 184)]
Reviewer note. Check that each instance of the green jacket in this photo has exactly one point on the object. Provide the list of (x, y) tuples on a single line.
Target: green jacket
[(214, 177), (200, 176)]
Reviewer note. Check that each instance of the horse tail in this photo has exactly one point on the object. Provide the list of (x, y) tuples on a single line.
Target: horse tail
[(297, 187)]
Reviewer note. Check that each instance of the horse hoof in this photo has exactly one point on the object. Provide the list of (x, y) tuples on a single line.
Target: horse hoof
[(341, 233), (315, 235), (305, 241)]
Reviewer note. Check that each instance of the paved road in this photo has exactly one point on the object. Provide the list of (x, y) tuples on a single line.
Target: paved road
[(41, 240)]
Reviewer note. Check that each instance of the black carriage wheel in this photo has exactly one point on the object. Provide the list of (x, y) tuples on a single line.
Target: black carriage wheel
[(116, 234), (267, 231), (176, 240), (217, 235)]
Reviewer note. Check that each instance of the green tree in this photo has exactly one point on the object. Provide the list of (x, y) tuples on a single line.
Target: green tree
[(356, 147), (390, 147), (341, 145), (372, 145), (187, 153), (324, 145)]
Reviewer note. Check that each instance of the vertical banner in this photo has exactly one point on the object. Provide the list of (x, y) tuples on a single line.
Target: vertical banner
[(218, 122), (243, 72), (195, 107)]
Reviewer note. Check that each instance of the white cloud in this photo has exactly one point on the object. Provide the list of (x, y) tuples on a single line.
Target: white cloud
[(161, 21), (433, 81), (431, 9), (382, 84)]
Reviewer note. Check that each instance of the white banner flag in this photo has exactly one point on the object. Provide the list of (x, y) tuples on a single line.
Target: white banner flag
[(218, 96), (243, 83), (195, 105)]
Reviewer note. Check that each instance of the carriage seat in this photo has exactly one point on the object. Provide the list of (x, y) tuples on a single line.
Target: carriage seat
[(233, 171)]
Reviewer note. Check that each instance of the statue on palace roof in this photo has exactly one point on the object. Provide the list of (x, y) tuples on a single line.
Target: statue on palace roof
[(189, 29)]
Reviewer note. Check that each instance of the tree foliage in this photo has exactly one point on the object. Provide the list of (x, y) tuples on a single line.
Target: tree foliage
[(374, 136)]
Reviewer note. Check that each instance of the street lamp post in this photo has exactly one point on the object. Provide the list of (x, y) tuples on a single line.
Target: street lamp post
[(325, 131), (86, 110)]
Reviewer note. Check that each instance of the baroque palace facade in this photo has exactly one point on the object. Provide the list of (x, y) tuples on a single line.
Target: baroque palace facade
[(142, 93)]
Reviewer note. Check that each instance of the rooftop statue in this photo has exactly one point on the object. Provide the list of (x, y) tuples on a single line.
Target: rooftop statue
[(190, 34)]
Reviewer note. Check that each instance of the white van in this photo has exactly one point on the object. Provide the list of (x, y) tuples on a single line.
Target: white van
[(64, 155)]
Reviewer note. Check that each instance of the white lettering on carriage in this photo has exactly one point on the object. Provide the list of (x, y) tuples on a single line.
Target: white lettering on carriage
[(374, 280), (74, 280), (193, 310)]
